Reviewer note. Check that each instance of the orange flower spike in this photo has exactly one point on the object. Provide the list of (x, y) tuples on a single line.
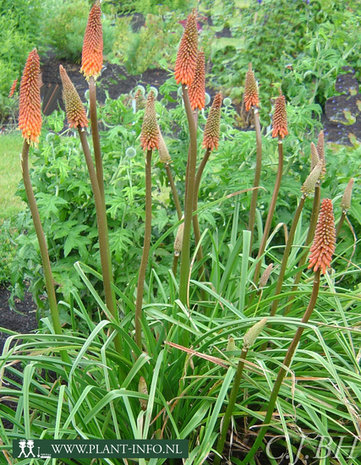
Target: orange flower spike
[(75, 111), (250, 90), (149, 137), (197, 90), (211, 131), (186, 62), (13, 87), (92, 56), (324, 243), (280, 117), (30, 102)]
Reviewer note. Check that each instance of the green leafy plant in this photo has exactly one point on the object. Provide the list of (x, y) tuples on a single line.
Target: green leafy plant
[(180, 370)]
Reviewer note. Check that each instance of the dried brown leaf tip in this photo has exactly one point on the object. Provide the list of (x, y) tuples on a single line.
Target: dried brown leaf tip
[(92, 56), (30, 102), (186, 62), (324, 243), (149, 137), (211, 131), (13, 88), (279, 124), (75, 111), (346, 198), (250, 96), (197, 90)]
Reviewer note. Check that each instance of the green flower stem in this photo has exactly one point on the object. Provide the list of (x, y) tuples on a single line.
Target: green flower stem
[(146, 248), (282, 371), (286, 253), (49, 281), (270, 212), (197, 232), (257, 175), (103, 236), (309, 238), (230, 406), (340, 223), (174, 191), (95, 135), (189, 200)]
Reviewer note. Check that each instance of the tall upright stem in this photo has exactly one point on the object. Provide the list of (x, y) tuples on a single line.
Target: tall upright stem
[(174, 191), (309, 238), (257, 175), (286, 254), (270, 212), (197, 231), (282, 371), (103, 235), (49, 281), (146, 248), (189, 199), (95, 135)]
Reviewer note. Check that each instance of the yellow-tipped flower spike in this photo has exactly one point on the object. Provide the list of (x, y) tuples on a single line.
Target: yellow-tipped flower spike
[(30, 102), (250, 96), (149, 137), (197, 90), (92, 56), (324, 243), (346, 198), (279, 123), (186, 62), (211, 131), (75, 111)]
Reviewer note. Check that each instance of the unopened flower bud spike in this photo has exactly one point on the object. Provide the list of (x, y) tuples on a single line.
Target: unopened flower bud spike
[(248, 340), (345, 205)]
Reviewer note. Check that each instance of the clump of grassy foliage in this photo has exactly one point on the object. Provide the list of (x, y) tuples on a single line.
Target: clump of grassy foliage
[(201, 334)]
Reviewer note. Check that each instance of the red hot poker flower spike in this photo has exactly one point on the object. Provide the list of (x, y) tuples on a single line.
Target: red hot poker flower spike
[(186, 62), (13, 87), (75, 111), (197, 90), (92, 56), (250, 96), (280, 118), (149, 137), (324, 243), (30, 102), (211, 131)]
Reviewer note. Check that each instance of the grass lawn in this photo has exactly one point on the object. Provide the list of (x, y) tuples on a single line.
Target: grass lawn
[(10, 174)]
